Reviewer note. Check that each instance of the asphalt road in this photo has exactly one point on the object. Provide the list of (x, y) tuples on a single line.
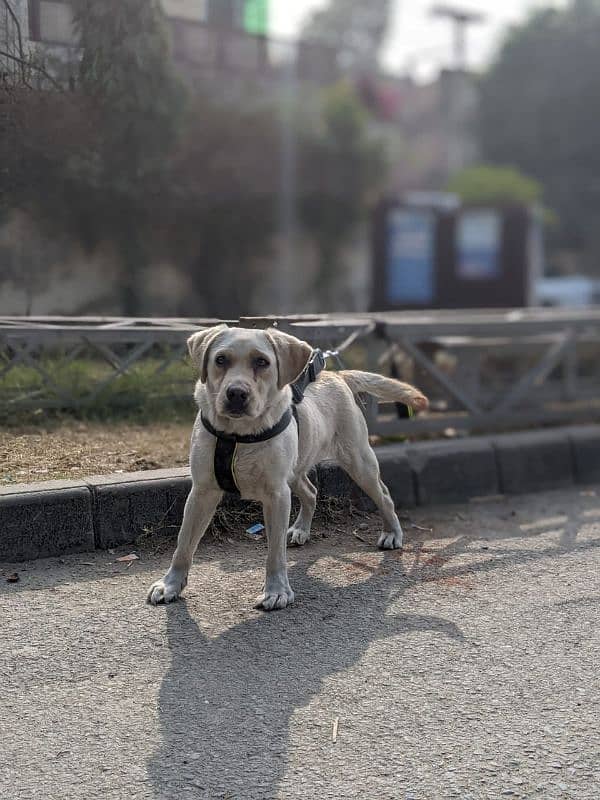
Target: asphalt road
[(468, 666)]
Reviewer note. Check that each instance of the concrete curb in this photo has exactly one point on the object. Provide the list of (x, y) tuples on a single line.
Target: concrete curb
[(57, 517)]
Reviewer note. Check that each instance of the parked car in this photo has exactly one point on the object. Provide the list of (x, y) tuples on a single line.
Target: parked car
[(577, 291)]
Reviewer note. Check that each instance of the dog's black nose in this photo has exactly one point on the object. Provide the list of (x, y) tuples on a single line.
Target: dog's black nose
[(237, 397)]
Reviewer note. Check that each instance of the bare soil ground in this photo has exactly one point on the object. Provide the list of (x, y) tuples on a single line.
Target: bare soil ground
[(76, 449)]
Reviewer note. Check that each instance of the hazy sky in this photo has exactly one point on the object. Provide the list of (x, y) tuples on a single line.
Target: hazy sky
[(417, 37)]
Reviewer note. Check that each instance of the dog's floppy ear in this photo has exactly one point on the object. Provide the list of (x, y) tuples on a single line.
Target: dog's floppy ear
[(292, 355), (199, 345)]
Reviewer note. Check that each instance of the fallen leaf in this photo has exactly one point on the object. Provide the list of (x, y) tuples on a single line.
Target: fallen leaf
[(435, 561), (130, 557)]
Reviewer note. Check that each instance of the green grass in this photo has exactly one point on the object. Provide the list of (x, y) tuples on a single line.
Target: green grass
[(141, 394)]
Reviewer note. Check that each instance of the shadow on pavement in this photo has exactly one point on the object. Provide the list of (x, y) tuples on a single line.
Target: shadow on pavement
[(226, 702)]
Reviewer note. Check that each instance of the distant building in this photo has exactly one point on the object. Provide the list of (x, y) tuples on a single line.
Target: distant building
[(50, 21), (437, 122), (208, 36), (216, 38)]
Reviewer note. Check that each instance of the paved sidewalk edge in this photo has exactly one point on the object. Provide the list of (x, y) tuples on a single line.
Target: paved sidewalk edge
[(57, 517)]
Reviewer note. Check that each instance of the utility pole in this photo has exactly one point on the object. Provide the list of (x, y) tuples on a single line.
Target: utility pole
[(458, 92), (288, 166), (461, 19)]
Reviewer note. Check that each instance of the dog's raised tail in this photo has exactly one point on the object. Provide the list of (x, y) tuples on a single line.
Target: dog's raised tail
[(386, 389)]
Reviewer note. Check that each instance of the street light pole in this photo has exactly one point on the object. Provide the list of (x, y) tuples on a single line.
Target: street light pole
[(288, 181), (461, 20)]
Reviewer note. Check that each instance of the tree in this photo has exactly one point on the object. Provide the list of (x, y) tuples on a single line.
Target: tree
[(24, 249), (137, 105), (119, 158), (487, 184), (20, 64), (220, 200), (539, 104), (357, 29), (341, 168), (89, 160)]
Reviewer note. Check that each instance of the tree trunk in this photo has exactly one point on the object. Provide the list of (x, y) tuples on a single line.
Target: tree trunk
[(130, 290)]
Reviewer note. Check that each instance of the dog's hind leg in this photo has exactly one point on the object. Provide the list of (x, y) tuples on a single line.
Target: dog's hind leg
[(362, 466), (199, 510), (306, 492)]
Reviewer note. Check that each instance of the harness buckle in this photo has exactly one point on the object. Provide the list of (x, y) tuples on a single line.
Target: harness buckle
[(312, 370), (316, 365)]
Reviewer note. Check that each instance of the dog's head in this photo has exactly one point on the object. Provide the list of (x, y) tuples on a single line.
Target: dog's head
[(245, 370)]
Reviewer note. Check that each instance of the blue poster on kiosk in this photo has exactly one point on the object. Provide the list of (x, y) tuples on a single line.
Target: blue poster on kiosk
[(478, 243), (410, 245)]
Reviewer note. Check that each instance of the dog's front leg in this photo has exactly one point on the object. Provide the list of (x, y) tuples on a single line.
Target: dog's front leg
[(278, 593), (199, 509)]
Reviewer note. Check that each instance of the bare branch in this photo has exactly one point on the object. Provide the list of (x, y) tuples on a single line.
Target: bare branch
[(32, 65), (17, 25)]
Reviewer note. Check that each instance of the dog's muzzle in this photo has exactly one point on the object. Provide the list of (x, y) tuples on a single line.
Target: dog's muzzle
[(237, 400)]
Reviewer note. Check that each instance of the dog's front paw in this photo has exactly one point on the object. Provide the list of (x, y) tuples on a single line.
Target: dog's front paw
[(272, 600), (166, 589), (390, 541), (298, 537)]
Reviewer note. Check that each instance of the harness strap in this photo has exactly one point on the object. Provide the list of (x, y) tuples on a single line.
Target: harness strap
[(226, 447), (250, 438), (224, 465), (315, 366)]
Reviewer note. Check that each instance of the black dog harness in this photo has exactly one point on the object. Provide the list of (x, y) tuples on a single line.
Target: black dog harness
[(226, 446)]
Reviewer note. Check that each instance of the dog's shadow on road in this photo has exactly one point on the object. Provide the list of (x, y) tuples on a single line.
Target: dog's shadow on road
[(226, 702)]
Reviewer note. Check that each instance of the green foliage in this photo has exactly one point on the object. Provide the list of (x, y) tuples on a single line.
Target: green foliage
[(142, 393), (124, 160), (136, 106), (491, 185), (90, 162), (341, 168), (539, 111), (221, 200), (344, 118), (126, 71)]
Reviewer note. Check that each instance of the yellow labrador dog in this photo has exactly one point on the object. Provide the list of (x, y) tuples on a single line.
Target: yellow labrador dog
[(244, 391)]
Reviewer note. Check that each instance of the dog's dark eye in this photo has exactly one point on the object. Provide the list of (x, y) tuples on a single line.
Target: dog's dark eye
[(261, 362), (220, 361)]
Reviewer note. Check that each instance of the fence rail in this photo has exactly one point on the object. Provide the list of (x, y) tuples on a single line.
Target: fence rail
[(483, 370)]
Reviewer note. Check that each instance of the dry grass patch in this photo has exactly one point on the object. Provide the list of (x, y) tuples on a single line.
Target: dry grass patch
[(77, 448)]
